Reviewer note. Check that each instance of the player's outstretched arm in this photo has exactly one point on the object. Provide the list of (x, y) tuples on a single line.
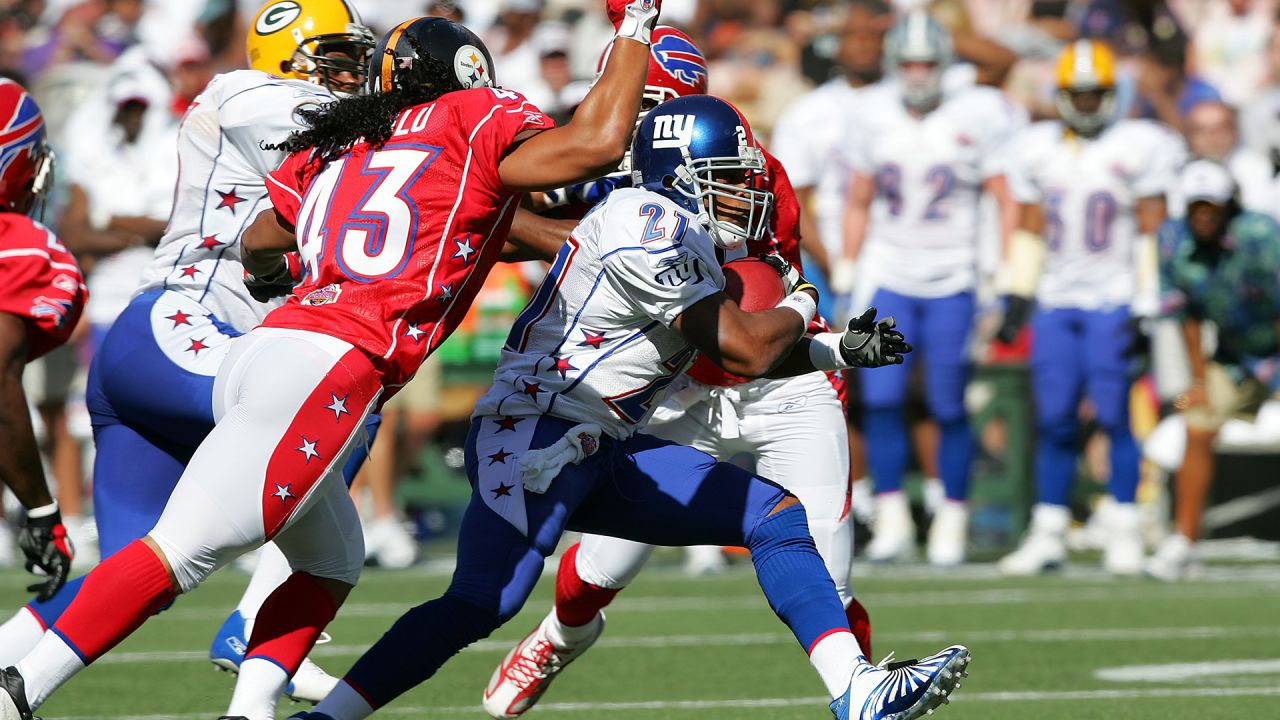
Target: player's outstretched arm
[(743, 343), (538, 237), (865, 343), (20, 467), (594, 141)]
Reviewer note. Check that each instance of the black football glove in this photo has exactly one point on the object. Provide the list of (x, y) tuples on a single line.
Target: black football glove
[(269, 287), (869, 343), (1017, 311), (45, 543), (792, 280)]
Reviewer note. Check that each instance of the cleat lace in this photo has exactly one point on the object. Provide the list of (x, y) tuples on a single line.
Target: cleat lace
[(535, 664)]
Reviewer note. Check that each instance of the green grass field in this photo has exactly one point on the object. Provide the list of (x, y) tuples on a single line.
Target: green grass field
[(1048, 648)]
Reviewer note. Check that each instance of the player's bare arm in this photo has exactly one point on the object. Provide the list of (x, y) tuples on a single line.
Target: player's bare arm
[(19, 459), (743, 343), (535, 237), (862, 190), (1151, 213), (593, 143)]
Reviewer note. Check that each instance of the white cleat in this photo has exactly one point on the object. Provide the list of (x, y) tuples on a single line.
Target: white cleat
[(1044, 547), (949, 534), (902, 690), (1173, 560), (1122, 554), (389, 543), (311, 683), (702, 560), (862, 501), (527, 671), (893, 536), (934, 495)]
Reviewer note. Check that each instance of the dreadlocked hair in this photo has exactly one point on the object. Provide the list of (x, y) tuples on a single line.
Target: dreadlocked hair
[(334, 127)]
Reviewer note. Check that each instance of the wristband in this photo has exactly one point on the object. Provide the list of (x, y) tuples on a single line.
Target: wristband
[(43, 511), (803, 304), (825, 353)]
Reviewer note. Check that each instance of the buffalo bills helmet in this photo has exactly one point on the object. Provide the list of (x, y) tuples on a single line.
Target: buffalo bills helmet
[(700, 152), (918, 39), (467, 61), (26, 163), (676, 67)]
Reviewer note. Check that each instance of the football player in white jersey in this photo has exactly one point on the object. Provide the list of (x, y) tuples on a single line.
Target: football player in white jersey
[(150, 391), (922, 157), (1092, 193), (633, 296), (793, 427)]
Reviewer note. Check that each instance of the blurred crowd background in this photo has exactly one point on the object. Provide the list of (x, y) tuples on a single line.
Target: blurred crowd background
[(115, 76)]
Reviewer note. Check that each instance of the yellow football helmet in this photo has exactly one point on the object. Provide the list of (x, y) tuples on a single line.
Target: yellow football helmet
[(1086, 80), (312, 40)]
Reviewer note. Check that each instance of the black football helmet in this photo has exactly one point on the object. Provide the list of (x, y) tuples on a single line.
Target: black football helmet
[(446, 42)]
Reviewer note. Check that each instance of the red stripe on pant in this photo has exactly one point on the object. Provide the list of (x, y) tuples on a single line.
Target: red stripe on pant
[(317, 435)]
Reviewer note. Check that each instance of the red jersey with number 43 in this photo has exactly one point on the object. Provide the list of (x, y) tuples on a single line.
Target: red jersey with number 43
[(396, 240), (41, 283)]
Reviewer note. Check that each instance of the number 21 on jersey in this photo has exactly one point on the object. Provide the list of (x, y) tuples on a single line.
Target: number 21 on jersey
[(369, 226)]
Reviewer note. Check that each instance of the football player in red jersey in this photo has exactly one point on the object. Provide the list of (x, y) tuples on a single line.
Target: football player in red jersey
[(400, 202), (41, 303)]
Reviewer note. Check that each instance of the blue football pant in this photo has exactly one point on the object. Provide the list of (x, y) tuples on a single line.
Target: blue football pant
[(1075, 352), (643, 489), (939, 330)]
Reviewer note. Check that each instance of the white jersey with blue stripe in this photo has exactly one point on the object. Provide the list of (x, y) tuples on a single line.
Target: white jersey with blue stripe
[(221, 169), (595, 344)]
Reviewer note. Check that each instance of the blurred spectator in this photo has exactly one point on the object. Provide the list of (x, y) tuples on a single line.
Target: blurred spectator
[(515, 51), (447, 9), (1166, 91), (1211, 134), (76, 36), (1260, 116), (1230, 46), (1218, 264)]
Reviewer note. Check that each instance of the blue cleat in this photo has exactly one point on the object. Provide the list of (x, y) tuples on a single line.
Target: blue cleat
[(310, 684), (902, 690)]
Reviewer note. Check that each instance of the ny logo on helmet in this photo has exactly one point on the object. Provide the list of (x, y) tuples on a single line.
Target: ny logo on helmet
[(673, 131), (681, 59)]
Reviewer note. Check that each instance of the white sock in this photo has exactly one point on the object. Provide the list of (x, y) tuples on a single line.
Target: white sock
[(834, 657), (49, 664), (344, 704), (18, 636), (258, 689), (273, 569), (566, 636)]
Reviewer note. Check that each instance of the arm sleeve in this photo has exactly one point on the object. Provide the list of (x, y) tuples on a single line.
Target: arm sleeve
[(1165, 155), (286, 184)]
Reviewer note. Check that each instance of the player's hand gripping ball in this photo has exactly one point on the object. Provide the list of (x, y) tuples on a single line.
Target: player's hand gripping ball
[(755, 286)]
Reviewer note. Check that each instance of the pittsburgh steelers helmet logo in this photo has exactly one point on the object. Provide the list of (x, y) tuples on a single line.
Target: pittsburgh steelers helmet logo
[(472, 67), (277, 16)]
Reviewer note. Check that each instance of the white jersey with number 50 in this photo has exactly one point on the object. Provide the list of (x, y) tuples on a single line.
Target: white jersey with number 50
[(595, 343), (922, 235), (1087, 190), (221, 188)]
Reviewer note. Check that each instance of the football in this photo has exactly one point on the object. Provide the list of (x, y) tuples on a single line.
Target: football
[(755, 286)]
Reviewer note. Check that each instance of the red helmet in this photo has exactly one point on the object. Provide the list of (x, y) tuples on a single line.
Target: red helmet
[(676, 66), (25, 159)]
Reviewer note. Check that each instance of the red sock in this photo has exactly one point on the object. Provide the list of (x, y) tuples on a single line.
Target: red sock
[(115, 599), (860, 624), (290, 621), (578, 601)]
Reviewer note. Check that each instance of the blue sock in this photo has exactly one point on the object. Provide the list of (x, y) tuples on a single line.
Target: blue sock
[(1055, 463), (793, 577), (1124, 465), (886, 435), (421, 641), (955, 459), (50, 610)]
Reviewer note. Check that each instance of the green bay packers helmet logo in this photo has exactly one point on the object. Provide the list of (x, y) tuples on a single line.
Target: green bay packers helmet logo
[(277, 16)]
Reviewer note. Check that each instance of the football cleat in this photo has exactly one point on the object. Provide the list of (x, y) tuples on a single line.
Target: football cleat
[(902, 690), (389, 543), (13, 696), (933, 494), (1044, 547), (309, 684), (893, 536), (1123, 553), (1173, 560), (948, 534), (527, 671)]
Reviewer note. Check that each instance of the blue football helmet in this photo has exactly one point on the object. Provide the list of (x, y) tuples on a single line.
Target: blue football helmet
[(700, 152), (918, 38)]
